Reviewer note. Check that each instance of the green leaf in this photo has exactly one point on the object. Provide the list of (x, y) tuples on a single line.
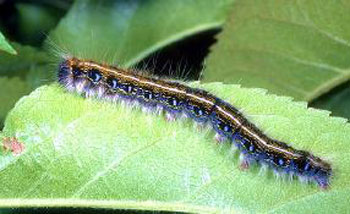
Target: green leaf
[(19, 65), (21, 74), (34, 20), (89, 153), (295, 48), (11, 90), (5, 46), (129, 31), (338, 101)]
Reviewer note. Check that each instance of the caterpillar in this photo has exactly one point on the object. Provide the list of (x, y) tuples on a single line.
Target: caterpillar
[(91, 79)]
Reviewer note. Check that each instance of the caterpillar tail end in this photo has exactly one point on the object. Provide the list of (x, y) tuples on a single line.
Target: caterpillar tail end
[(245, 165), (323, 183)]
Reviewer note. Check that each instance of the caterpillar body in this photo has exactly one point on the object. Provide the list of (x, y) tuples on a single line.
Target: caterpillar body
[(89, 78)]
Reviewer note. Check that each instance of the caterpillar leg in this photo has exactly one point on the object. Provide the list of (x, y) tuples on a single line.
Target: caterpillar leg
[(170, 117)]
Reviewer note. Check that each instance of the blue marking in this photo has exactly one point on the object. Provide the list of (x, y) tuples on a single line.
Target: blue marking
[(174, 102), (129, 89), (94, 75), (251, 148), (280, 161), (307, 166), (200, 112), (113, 83), (227, 128)]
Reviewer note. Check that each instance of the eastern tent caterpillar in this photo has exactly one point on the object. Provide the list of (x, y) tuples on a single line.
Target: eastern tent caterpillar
[(112, 83)]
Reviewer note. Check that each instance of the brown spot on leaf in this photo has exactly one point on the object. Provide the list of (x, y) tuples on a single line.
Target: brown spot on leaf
[(13, 145)]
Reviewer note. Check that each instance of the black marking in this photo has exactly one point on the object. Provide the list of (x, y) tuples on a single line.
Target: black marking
[(112, 83), (148, 95), (77, 72)]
